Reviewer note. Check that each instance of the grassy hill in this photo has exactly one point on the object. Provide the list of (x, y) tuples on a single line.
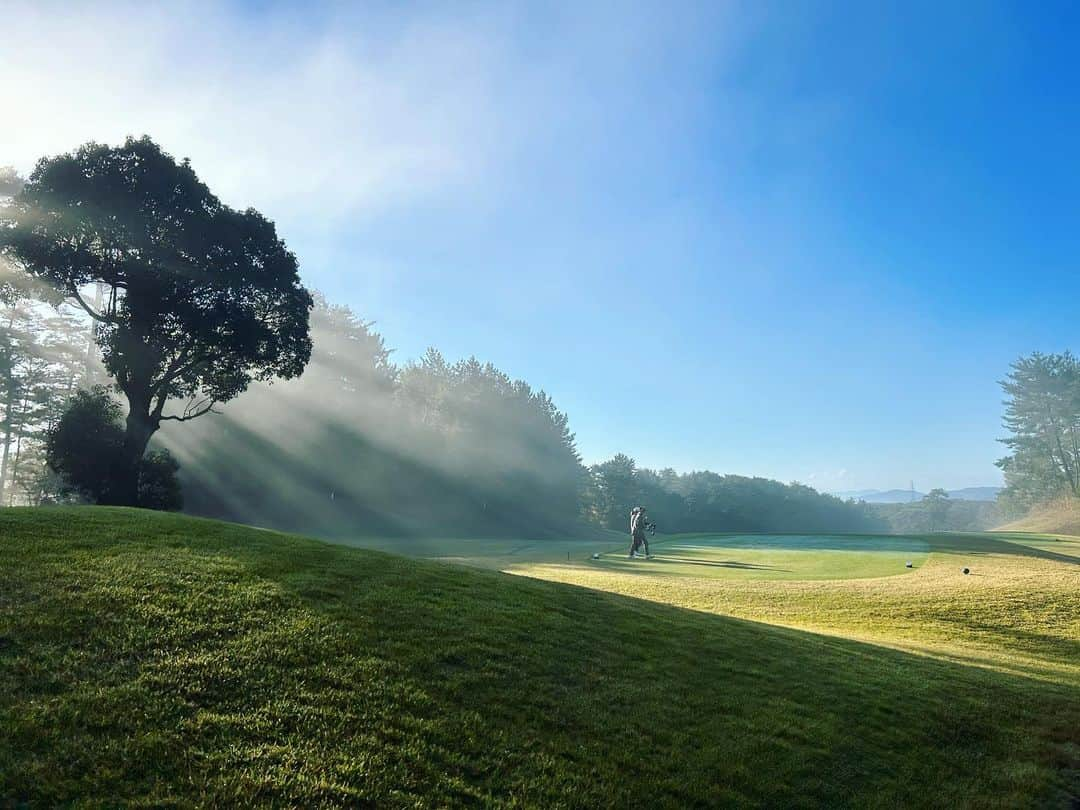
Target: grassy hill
[(1057, 517), (153, 659)]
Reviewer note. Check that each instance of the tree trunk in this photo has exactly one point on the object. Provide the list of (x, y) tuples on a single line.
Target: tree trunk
[(7, 446), (7, 415), (140, 426)]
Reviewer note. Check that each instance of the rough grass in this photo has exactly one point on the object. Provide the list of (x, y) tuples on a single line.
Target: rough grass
[(1061, 516), (160, 660)]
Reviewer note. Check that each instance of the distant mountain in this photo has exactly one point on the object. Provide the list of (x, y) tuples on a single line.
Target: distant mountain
[(906, 495), (882, 495), (855, 494)]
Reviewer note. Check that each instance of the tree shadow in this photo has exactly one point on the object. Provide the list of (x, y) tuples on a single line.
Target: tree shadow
[(796, 541), (961, 543), (981, 545), (485, 675), (713, 563), (893, 695)]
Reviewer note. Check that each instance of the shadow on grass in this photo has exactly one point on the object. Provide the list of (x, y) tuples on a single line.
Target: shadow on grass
[(708, 563), (719, 678), (801, 542), (982, 544), (949, 543), (469, 687)]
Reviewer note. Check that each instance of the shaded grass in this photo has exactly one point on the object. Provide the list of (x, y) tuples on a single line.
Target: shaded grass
[(152, 659)]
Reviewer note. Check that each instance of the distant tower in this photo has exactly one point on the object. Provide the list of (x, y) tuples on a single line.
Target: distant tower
[(913, 490)]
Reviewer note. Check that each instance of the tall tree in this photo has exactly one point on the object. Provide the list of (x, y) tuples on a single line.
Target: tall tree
[(613, 492), (936, 503), (10, 182), (42, 363), (1042, 414), (11, 282), (199, 299)]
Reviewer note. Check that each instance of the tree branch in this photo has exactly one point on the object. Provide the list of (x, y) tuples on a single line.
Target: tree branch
[(97, 316), (193, 411)]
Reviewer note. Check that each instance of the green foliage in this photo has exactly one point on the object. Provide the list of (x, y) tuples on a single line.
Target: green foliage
[(1042, 415), (612, 491), (10, 182), (709, 502), (10, 278), (200, 299), (157, 660), (85, 444), (433, 447), (159, 487), (936, 504), (950, 516), (42, 360), (85, 448)]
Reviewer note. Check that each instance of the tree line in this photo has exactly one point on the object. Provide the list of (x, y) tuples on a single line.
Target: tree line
[(937, 512), (46, 356), (158, 348), (359, 444), (707, 501), (1042, 416)]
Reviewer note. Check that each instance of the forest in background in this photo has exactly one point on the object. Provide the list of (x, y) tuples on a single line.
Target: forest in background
[(306, 422), (359, 445), (445, 448)]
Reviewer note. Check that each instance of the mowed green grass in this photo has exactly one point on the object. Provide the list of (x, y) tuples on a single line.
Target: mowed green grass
[(729, 556), (148, 659), (1018, 610), (773, 556), (498, 554)]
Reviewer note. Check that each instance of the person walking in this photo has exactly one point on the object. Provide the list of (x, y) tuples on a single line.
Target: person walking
[(638, 523)]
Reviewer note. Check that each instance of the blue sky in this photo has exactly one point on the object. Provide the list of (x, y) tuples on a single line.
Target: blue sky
[(800, 240)]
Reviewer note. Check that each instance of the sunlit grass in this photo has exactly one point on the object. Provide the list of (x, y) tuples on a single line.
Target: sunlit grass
[(158, 660), (1018, 609)]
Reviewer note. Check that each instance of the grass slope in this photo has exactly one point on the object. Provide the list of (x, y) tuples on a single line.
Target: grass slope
[(151, 659), (1061, 516)]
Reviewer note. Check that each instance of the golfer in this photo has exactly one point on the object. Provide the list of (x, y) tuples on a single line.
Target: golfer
[(638, 521)]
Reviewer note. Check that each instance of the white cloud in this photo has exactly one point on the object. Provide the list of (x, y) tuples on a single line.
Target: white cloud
[(327, 113), (827, 480), (277, 112)]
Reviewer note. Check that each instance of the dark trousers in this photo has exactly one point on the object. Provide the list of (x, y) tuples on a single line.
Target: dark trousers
[(637, 541)]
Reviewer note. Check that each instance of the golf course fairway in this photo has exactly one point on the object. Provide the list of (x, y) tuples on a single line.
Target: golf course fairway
[(156, 659)]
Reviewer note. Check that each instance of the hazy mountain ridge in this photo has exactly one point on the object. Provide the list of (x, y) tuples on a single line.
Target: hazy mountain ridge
[(906, 495)]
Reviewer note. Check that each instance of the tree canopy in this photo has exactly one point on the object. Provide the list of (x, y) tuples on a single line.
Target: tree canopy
[(707, 501), (1042, 415), (430, 446), (199, 299)]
